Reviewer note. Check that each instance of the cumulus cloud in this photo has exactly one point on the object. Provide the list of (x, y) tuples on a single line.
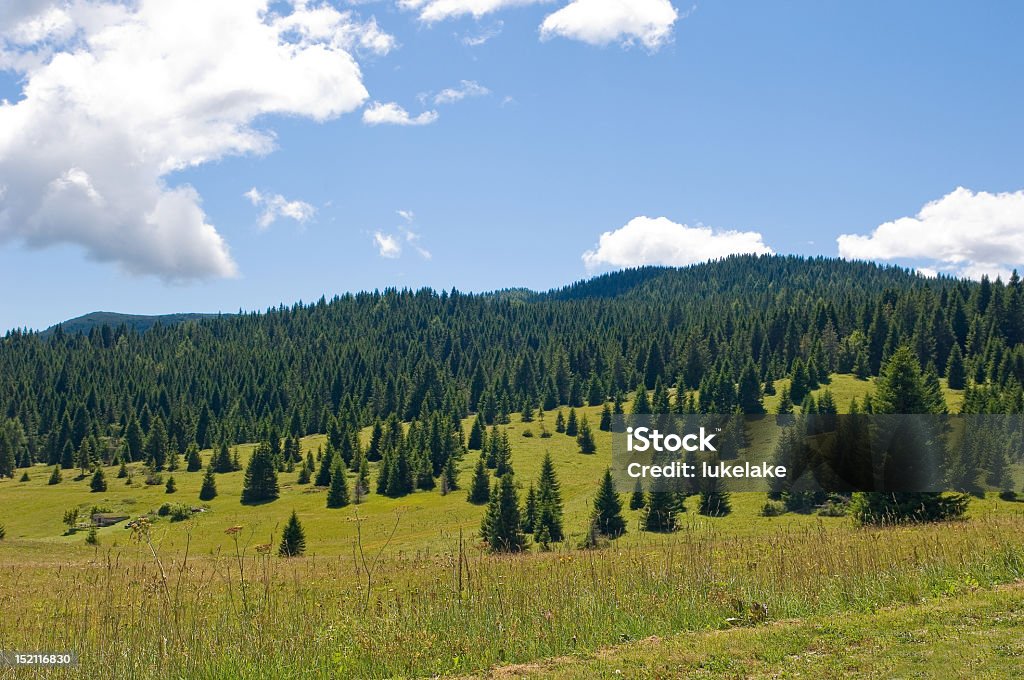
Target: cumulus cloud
[(438, 10), (600, 22), (466, 88), (660, 241), (275, 206), (393, 114), (119, 95), (964, 233), (387, 245)]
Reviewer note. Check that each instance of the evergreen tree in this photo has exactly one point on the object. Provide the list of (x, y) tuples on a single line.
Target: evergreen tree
[(55, 476), (479, 491), (193, 463), (641, 405), (157, 444), (260, 477), (608, 508), (221, 460), (476, 434), (956, 374), (501, 526), (655, 365), (560, 422), (449, 476), (171, 486), (750, 398), (305, 474), (122, 472), (133, 439), (530, 511), (362, 485), (337, 495), (606, 419), (586, 438), (661, 510), (799, 384), (293, 539), (549, 501), (572, 424), (99, 481), (323, 475), (637, 500), (902, 389), (714, 500), (209, 489)]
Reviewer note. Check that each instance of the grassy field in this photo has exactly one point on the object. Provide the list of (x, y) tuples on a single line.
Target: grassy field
[(402, 587)]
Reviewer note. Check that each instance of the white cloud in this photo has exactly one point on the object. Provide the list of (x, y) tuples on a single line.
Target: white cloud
[(276, 205), (660, 241), (466, 88), (600, 22), (413, 239), (483, 36), (406, 215), (117, 96), (387, 245), (438, 10), (963, 233), (393, 114)]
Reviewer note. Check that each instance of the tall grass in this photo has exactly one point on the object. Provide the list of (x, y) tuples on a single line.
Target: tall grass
[(245, 613)]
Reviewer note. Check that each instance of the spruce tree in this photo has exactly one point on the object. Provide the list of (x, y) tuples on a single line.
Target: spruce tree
[(305, 474), (260, 477), (193, 463), (337, 495), (585, 438), (637, 500), (293, 539), (449, 476), (476, 434), (750, 397), (157, 445), (209, 489), (323, 475), (362, 485), (714, 500), (122, 471), (480, 490), (608, 508), (171, 486), (530, 511), (641, 404), (560, 422), (661, 510), (501, 527), (549, 501), (956, 374), (99, 481), (55, 477), (222, 459), (572, 427), (606, 419)]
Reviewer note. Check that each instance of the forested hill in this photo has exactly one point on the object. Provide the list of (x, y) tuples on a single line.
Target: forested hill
[(113, 320), (341, 364)]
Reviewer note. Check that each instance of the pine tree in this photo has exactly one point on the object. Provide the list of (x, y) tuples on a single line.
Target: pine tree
[(503, 464), (209, 489), (479, 492), (193, 463), (549, 501), (606, 419), (572, 424), (337, 495), (260, 477), (501, 526), (171, 486), (172, 459), (560, 422), (637, 500), (305, 474), (449, 476), (799, 384), (55, 477), (122, 472), (323, 475), (362, 485), (586, 438), (99, 481), (222, 459), (608, 508), (293, 539)]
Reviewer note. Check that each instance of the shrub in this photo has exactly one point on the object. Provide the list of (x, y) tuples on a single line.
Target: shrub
[(527, 432), (92, 538), (772, 509)]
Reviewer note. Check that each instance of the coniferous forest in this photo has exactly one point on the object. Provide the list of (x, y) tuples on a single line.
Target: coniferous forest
[(335, 366)]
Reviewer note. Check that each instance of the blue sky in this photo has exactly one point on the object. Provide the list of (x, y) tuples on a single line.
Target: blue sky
[(791, 124)]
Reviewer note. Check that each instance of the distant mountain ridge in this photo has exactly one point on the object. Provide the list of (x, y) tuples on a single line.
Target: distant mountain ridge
[(138, 322)]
